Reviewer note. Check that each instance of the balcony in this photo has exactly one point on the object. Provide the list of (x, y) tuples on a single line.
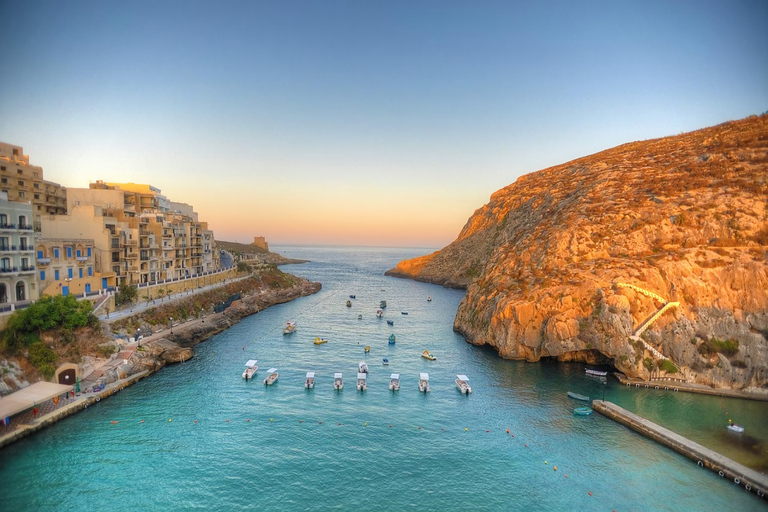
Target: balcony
[(7, 226), (9, 270), (27, 270), (43, 261), (25, 226), (9, 248), (83, 258), (131, 255)]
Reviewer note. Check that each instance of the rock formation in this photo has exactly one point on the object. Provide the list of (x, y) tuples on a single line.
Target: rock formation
[(684, 216)]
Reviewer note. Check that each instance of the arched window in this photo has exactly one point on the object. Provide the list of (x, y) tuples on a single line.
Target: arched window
[(3, 293), (21, 291)]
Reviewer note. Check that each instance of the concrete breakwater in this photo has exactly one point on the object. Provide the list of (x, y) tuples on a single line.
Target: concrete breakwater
[(751, 480)]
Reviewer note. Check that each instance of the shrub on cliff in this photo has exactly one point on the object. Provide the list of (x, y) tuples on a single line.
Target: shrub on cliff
[(714, 345), (42, 358)]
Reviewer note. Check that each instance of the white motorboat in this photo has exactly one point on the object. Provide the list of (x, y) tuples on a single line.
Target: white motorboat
[(362, 383), (338, 384), (596, 373), (424, 382), (379, 313), (394, 382), (462, 382), (272, 377), (736, 428), (310, 382), (290, 328), (362, 367), (250, 369)]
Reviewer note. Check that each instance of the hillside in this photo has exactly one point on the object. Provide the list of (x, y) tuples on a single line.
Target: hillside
[(685, 217), (255, 253)]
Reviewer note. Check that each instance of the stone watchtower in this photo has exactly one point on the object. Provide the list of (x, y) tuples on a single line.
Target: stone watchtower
[(260, 241)]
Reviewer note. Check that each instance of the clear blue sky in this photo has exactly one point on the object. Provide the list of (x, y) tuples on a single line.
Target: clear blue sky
[(379, 123)]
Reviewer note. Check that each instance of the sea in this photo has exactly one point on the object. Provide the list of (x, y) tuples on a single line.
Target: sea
[(196, 436)]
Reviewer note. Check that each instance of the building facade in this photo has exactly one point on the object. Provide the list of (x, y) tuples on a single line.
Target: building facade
[(18, 286), (67, 265)]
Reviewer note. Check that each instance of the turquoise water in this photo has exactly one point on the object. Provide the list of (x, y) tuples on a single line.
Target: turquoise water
[(288, 448)]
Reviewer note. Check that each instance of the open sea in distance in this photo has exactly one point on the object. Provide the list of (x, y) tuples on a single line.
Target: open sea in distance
[(287, 448)]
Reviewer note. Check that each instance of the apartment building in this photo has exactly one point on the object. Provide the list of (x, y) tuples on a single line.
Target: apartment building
[(24, 183), (67, 265), (17, 256)]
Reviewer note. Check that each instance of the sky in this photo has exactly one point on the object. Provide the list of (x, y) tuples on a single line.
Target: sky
[(361, 122)]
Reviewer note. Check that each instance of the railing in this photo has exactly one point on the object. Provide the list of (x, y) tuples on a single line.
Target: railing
[(9, 248), (43, 261)]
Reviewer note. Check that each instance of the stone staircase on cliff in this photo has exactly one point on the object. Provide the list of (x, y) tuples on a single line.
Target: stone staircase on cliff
[(666, 305)]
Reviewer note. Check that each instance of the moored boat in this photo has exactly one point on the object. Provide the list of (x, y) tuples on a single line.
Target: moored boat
[(735, 428), (391, 339), (462, 382), (596, 373), (379, 313), (394, 382), (383, 304), (385, 361), (250, 369), (362, 383), (582, 411), (403, 312), (362, 367), (338, 383), (367, 349), (424, 382), (577, 396), (272, 377), (429, 298), (310, 382), (290, 328), (349, 303), (353, 296), (359, 317), (320, 341), (390, 322), (427, 355)]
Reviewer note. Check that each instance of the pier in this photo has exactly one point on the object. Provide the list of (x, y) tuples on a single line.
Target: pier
[(675, 385), (740, 475)]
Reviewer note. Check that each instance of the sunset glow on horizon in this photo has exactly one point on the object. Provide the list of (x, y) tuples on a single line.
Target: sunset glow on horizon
[(349, 123)]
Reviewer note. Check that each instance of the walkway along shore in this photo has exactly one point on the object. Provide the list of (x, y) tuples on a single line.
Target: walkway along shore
[(183, 338), (751, 480), (676, 385)]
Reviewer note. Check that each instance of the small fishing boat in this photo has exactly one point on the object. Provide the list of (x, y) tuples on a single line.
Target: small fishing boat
[(349, 303), (250, 369), (320, 341), (424, 382), (403, 312), (359, 317), (310, 382), (272, 377), (427, 355), (290, 328), (367, 349), (462, 382), (429, 298), (379, 313), (577, 396), (338, 384), (582, 411), (394, 382), (362, 383), (596, 373), (353, 296), (385, 361), (736, 428), (390, 322), (383, 304), (362, 367), (391, 339)]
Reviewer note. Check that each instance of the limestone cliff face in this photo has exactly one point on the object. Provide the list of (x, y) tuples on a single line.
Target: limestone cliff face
[(685, 217)]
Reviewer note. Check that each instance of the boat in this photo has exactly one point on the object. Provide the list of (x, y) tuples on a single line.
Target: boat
[(403, 312), (290, 328), (596, 373), (735, 428), (338, 384), (362, 383), (462, 382), (385, 361), (427, 355), (250, 369), (320, 341), (390, 322), (394, 382), (391, 339), (383, 304), (359, 317), (582, 411), (379, 313), (367, 349), (577, 396), (272, 377), (353, 296), (349, 303), (429, 298), (362, 367), (424, 382), (310, 382)]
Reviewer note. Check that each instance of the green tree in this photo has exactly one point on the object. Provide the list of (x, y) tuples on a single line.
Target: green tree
[(126, 295)]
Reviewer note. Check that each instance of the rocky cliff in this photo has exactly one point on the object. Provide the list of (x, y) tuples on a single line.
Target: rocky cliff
[(686, 217)]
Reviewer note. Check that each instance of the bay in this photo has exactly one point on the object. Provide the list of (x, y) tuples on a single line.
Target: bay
[(196, 436)]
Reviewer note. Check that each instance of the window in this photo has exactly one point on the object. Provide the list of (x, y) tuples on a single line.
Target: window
[(37, 196), (4, 181), (56, 253), (55, 275), (37, 185), (5, 263), (42, 275), (39, 254), (69, 253), (22, 193), (21, 291), (23, 244), (3, 290), (4, 246), (2, 168), (79, 253), (21, 183), (90, 271), (24, 263), (89, 252), (35, 175), (81, 273), (69, 273)]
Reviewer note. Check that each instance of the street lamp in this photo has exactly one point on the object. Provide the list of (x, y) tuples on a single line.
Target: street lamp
[(171, 325)]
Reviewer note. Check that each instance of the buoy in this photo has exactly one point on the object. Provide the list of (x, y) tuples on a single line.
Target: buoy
[(589, 493), (271, 419), (545, 462), (390, 426), (98, 399), (487, 431), (419, 428), (737, 481), (525, 445), (748, 487), (701, 464), (566, 475), (195, 421), (248, 421), (366, 424), (721, 473), (466, 429), (227, 421), (142, 421), (113, 422), (555, 468), (301, 421), (169, 420), (507, 431)]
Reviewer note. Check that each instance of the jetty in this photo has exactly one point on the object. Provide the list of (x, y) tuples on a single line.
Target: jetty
[(705, 458), (675, 385)]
